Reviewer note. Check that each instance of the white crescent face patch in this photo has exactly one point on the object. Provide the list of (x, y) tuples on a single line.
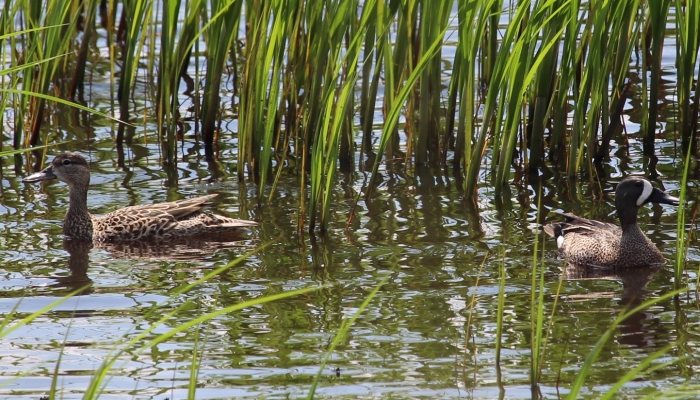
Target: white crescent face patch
[(645, 193)]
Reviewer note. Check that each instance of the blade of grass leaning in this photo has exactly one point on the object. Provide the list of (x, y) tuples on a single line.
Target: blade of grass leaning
[(62, 101), (342, 333), (209, 316), (681, 248), (537, 290), (6, 329), (194, 368), (218, 271), (471, 307), (6, 153), (601, 343), (683, 391), (501, 304), (644, 368), (100, 376), (99, 379), (54, 377)]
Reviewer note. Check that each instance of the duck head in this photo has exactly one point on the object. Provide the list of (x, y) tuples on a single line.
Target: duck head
[(70, 168)]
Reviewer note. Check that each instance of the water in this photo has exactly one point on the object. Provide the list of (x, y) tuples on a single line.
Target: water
[(437, 252), (430, 331)]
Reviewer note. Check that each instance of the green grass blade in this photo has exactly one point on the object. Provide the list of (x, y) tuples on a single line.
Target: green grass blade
[(342, 333), (600, 344)]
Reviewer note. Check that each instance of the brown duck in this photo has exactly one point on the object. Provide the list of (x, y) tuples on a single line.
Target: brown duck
[(590, 243), (180, 218)]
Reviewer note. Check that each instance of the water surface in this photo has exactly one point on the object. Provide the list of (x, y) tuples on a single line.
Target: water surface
[(430, 332)]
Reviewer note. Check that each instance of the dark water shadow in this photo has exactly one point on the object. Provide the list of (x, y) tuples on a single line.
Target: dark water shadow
[(192, 249), (634, 280), (195, 249), (78, 263), (643, 329)]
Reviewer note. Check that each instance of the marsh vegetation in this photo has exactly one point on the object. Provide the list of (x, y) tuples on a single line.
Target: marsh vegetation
[(404, 152)]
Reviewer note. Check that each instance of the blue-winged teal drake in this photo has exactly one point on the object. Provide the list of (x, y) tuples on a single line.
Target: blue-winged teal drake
[(590, 243), (153, 221)]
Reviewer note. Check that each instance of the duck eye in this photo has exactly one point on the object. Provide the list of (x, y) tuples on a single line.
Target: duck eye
[(639, 184), (66, 162)]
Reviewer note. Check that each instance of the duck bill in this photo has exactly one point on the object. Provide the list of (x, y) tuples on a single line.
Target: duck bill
[(657, 196), (44, 175)]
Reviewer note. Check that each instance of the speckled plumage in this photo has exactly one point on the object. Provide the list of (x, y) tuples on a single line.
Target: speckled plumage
[(592, 243), (153, 221)]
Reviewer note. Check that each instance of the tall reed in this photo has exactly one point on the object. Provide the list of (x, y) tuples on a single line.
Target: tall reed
[(264, 52), (175, 52), (681, 245), (432, 25), (658, 14), (47, 33), (220, 38), (687, 26), (134, 15), (535, 81)]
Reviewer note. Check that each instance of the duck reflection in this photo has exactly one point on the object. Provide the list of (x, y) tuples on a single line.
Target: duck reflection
[(78, 262), (196, 248), (641, 329), (181, 249)]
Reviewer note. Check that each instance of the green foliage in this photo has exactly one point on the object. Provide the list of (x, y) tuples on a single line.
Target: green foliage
[(297, 68), (146, 340), (687, 26), (135, 15), (542, 89), (343, 332), (634, 373)]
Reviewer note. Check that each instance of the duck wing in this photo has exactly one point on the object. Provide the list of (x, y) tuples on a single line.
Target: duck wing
[(163, 220), (178, 210), (575, 224)]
